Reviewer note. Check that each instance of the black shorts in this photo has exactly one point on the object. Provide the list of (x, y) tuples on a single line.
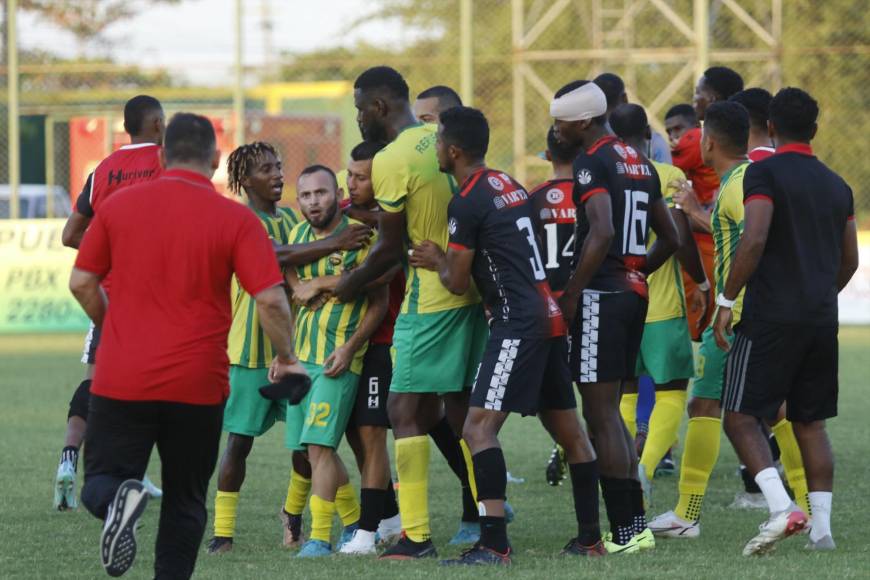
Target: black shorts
[(524, 375), (605, 339), (773, 363), (92, 341), (370, 408)]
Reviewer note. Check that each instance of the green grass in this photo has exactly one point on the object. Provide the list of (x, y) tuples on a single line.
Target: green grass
[(38, 375)]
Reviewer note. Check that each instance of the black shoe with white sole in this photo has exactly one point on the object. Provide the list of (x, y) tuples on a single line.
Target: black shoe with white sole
[(118, 541)]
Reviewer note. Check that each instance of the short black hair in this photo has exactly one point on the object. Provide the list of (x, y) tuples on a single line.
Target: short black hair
[(366, 150), (729, 122), (189, 138), (317, 167), (723, 81), (561, 151), (612, 86), (445, 95), (136, 110), (757, 102), (629, 121), (794, 113), (384, 78), (682, 110), (467, 129), (574, 85)]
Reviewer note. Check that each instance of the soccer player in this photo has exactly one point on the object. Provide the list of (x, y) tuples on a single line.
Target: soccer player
[(134, 163), (785, 347), (678, 121), (614, 89), (757, 102), (525, 366), (666, 347), (618, 197), (439, 337), (433, 101), (331, 339)]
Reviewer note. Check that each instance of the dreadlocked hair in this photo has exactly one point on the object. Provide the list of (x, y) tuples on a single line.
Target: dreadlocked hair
[(242, 160)]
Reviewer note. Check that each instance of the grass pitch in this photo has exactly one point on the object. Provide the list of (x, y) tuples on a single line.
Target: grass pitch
[(39, 373)]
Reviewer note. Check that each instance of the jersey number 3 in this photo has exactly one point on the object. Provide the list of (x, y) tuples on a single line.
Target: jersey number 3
[(634, 232), (524, 224)]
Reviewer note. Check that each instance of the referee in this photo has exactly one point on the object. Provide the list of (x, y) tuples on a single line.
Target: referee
[(798, 250), (171, 246)]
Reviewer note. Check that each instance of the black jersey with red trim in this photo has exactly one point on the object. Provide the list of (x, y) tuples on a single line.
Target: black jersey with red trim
[(796, 279), (610, 167), (554, 205), (128, 165), (493, 215)]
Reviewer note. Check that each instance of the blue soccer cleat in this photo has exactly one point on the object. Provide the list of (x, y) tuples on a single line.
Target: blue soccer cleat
[(315, 549)]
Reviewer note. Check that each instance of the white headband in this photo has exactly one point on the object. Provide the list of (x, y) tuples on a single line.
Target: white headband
[(580, 104)]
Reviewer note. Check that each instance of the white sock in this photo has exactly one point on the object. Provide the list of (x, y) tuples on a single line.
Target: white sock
[(773, 489), (820, 502)]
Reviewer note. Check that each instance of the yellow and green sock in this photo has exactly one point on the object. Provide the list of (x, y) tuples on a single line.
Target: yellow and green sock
[(297, 494), (628, 410), (664, 424), (412, 465), (700, 453), (226, 504), (347, 504), (321, 518), (792, 461)]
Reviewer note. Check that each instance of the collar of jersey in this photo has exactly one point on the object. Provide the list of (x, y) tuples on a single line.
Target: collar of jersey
[(801, 148), (600, 142), (411, 126), (727, 175), (129, 146), (190, 176), (471, 180)]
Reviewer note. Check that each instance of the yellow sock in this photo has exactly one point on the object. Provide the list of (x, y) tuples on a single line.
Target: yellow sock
[(628, 410), (412, 466), (790, 456), (469, 465), (664, 423), (297, 494), (225, 505), (321, 518), (700, 452), (347, 504)]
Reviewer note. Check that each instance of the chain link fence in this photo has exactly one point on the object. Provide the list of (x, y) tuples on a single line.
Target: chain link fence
[(71, 110)]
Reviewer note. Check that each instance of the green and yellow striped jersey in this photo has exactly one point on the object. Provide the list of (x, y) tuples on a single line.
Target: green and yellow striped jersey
[(319, 332), (248, 345), (667, 298), (727, 222), (405, 177)]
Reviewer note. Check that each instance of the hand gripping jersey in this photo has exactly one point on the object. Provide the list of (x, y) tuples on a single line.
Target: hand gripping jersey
[(610, 167), (554, 207), (492, 215)]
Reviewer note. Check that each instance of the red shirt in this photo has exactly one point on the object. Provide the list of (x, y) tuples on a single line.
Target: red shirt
[(172, 246), (384, 333), (687, 156), (760, 153)]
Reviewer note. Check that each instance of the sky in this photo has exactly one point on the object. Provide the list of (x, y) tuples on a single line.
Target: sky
[(196, 39)]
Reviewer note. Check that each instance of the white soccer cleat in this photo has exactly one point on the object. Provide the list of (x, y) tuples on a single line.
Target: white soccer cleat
[(670, 525), (748, 501), (65, 487), (390, 529), (362, 543), (779, 526), (151, 489)]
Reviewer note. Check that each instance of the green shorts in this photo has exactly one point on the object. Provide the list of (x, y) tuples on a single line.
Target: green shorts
[(247, 412), (710, 371), (438, 352), (321, 418), (666, 351)]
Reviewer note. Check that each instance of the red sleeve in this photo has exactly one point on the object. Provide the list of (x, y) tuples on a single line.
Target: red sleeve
[(254, 259), (94, 254), (687, 153)]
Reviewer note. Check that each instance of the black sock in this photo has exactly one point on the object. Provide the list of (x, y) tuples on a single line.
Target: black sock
[(584, 484), (490, 472), (749, 485), (493, 533), (391, 506), (774, 447), (448, 444), (618, 502), (70, 453), (371, 508), (638, 512)]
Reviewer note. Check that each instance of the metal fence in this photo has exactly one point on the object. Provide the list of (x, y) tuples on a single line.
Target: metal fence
[(505, 56)]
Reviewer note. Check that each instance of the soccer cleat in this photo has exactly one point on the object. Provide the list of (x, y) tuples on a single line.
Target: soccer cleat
[(152, 489), (479, 555), (670, 525), (362, 542), (292, 524), (346, 534), (315, 549), (645, 540), (389, 530), (219, 545), (118, 540), (65, 487), (510, 513), (778, 526), (630, 547), (666, 466), (556, 467), (575, 548), (823, 544), (407, 549), (745, 500), (645, 486), (468, 533)]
